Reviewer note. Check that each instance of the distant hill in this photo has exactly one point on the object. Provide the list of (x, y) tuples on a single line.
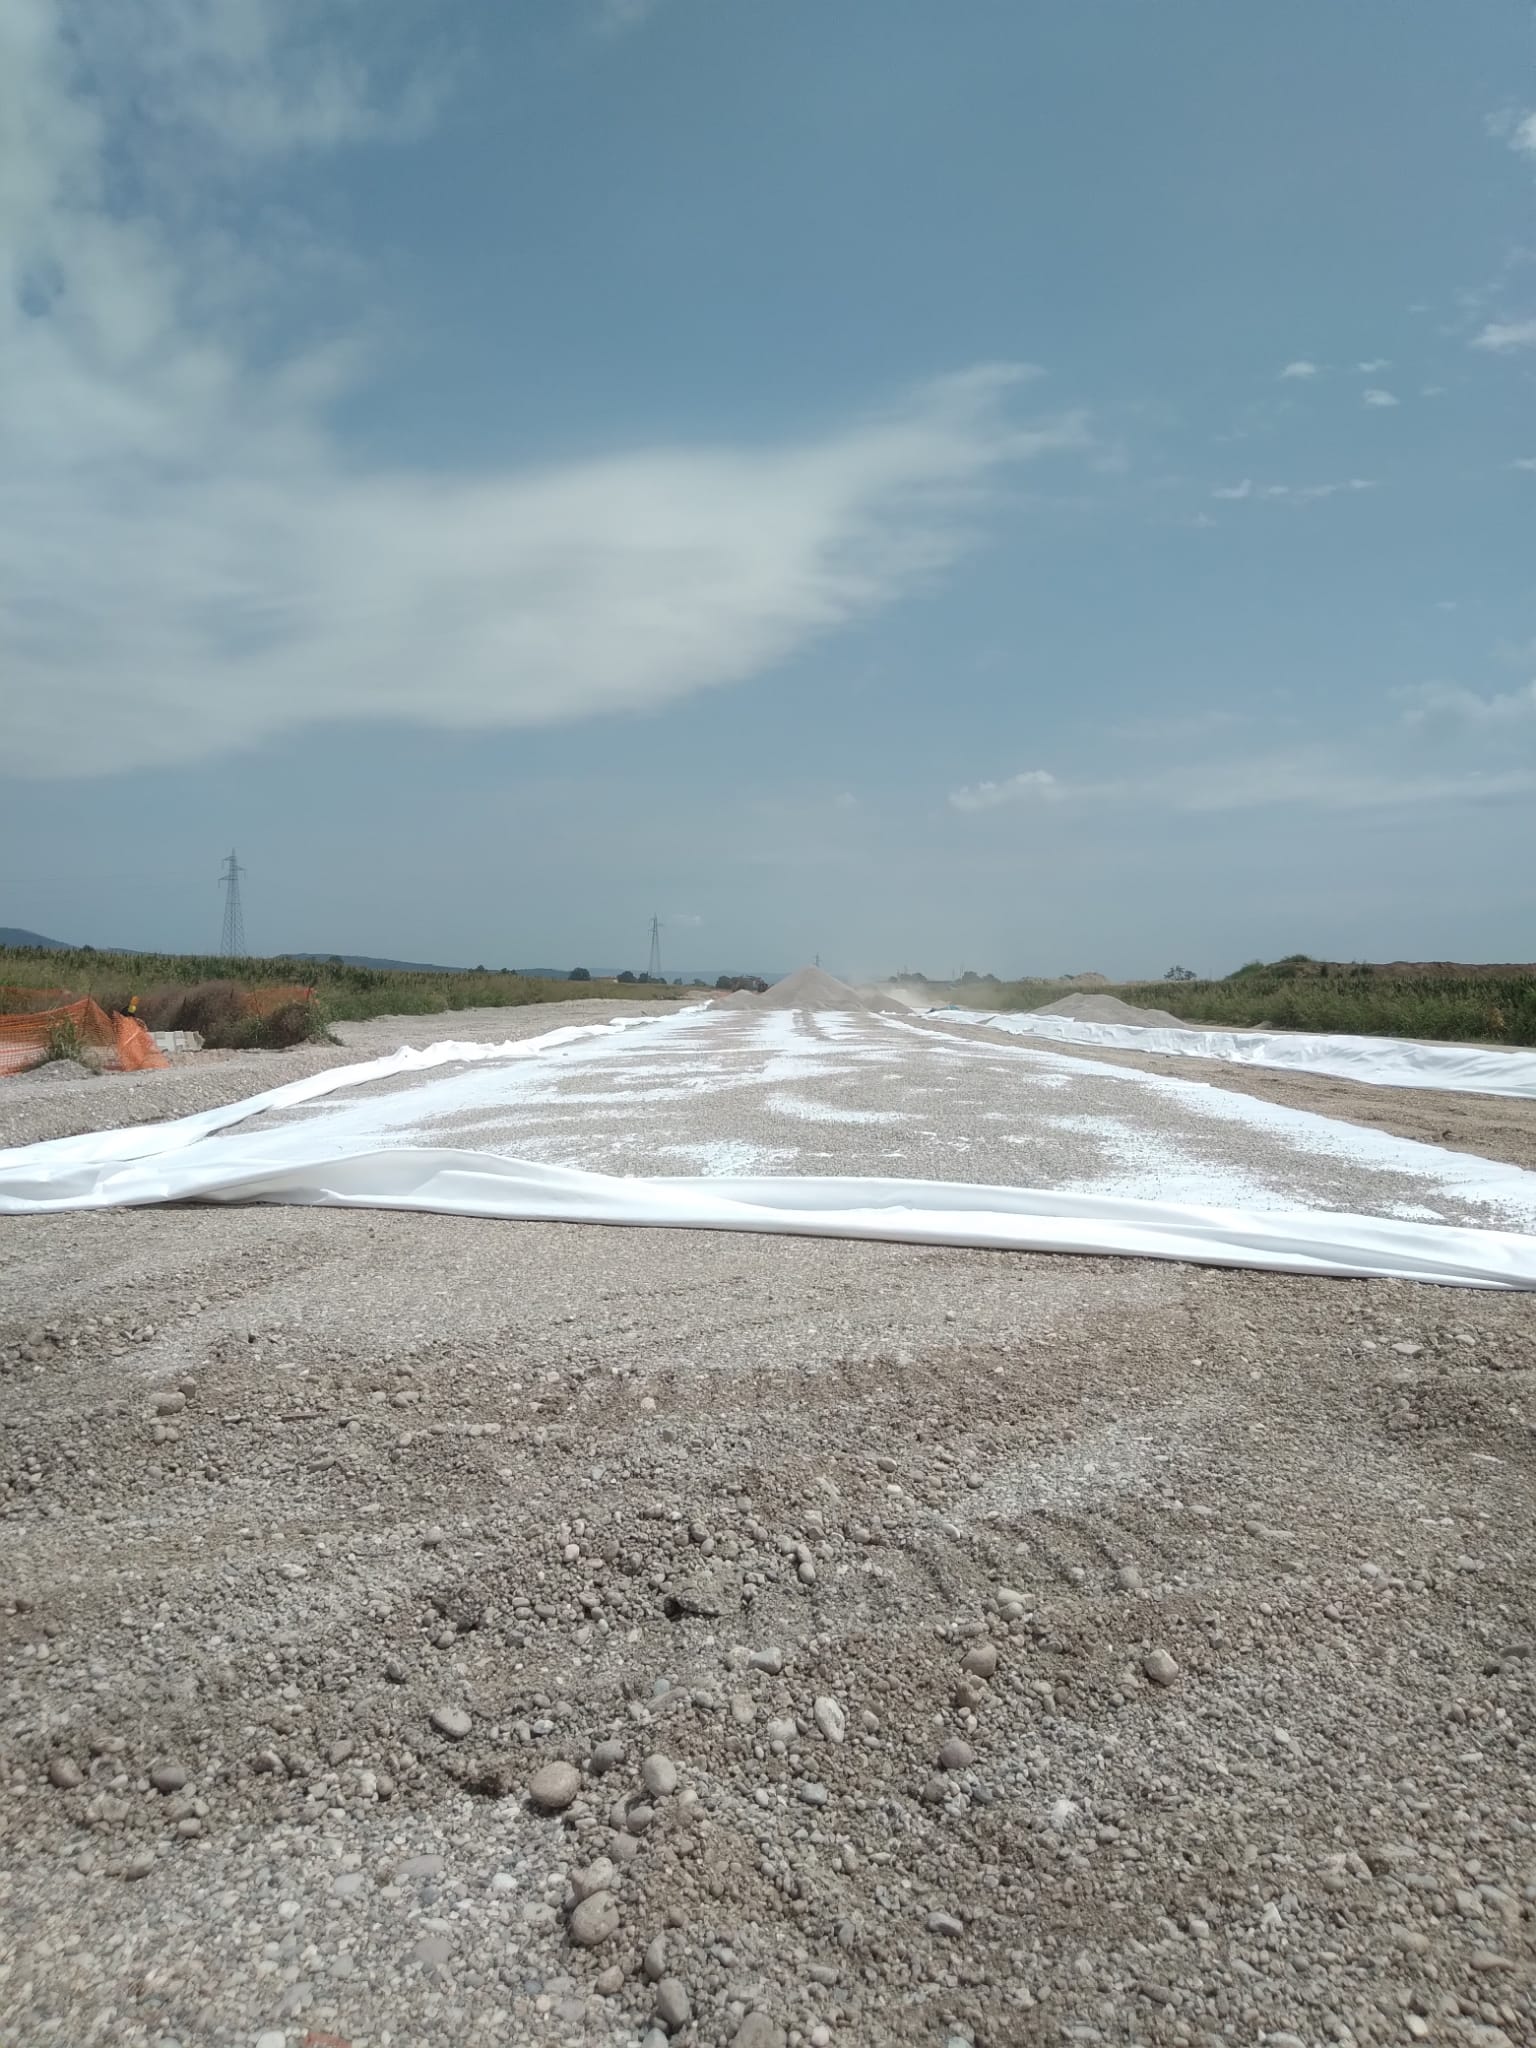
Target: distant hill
[(367, 960), (32, 942)]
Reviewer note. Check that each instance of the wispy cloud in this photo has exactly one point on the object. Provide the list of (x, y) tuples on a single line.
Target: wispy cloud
[(1502, 337), (1295, 494), (196, 562), (1524, 462), (615, 16), (1032, 785), (1316, 780), (1300, 368), (1377, 397), (1426, 701), (1374, 365), (254, 77), (1522, 136)]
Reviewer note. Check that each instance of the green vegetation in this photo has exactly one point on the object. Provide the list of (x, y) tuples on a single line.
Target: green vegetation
[(1404, 999), (64, 1043), (197, 992)]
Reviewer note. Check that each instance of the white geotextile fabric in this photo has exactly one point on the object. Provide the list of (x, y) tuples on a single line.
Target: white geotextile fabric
[(1379, 1062), (201, 1158)]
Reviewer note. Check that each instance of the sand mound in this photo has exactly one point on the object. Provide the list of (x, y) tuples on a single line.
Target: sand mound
[(812, 988), (1095, 1009)]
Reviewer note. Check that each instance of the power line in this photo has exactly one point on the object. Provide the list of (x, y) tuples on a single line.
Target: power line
[(232, 944)]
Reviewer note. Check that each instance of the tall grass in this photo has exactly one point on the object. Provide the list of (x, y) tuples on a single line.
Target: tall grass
[(200, 992), (1488, 1005)]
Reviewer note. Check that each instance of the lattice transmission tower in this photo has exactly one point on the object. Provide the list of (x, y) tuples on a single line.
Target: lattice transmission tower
[(653, 966), (232, 945)]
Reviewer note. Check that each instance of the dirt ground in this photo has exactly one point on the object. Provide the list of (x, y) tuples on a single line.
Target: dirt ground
[(948, 1646)]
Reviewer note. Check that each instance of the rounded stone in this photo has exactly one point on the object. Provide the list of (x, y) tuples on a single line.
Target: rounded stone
[(672, 2005), (452, 1722), (658, 1774), (553, 1788), (757, 2030), (65, 1773), (830, 1719), (956, 1755), (595, 1920), (1160, 1667), (597, 1877), (168, 1777), (980, 1660)]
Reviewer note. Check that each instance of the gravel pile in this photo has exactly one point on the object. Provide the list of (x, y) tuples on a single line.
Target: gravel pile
[(813, 989), (425, 1632), (1099, 1009)]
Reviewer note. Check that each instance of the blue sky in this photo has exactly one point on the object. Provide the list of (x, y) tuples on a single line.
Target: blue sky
[(1031, 488)]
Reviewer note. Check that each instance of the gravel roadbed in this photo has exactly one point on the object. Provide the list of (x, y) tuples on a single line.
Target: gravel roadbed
[(425, 1631)]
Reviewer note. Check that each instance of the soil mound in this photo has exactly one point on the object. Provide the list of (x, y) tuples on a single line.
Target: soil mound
[(1097, 1009)]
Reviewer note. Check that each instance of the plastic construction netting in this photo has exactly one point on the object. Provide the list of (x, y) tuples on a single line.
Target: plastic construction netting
[(28, 1038)]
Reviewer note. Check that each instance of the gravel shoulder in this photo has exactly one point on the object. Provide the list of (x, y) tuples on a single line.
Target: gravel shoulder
[(1045, 1649)]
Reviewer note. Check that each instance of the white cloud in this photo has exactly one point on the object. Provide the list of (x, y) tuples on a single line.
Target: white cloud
[(1503, 336), (1376, 363), (1426, 701), (1523, 136), (195, 563), (1033, 785), (1300, 368), (1295, 494), (1527, 462), (1377, 398)]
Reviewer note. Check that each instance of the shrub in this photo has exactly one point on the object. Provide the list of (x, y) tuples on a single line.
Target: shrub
[(64, 1043)]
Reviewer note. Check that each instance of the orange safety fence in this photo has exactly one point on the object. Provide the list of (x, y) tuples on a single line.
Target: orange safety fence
[(120, 1042)]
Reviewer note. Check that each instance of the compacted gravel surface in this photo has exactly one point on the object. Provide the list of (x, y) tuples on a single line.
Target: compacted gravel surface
[(422, 1630)]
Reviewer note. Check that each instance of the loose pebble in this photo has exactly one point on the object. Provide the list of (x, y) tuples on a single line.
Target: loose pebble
[(554, 1787), (594, 1920), (1160, 1667), (672, 2005), (658, 1774), (597, 1877), (452, 1722), (830, 1719), (758, 2030)]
